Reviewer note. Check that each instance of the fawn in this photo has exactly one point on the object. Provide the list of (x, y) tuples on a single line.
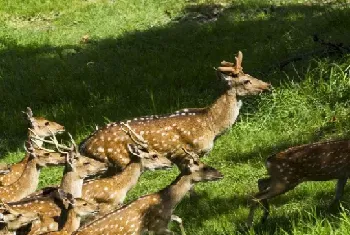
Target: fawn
[(111, 192), (76, 169), (310, 162), (70, 216), (37, 126), (193, 129), (153, 212), (29, 179)]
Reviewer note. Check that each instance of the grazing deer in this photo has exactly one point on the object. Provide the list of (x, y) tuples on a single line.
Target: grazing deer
[(37, 126), (310, 162), (153, 212), (11, 220), (69, 220), (28, 181), (193, 129), (111, 191)]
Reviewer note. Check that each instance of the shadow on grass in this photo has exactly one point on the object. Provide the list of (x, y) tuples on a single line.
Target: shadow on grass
[(150, 72), (197, 210)]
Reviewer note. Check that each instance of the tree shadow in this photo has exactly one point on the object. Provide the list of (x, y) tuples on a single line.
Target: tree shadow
[(147, 72)]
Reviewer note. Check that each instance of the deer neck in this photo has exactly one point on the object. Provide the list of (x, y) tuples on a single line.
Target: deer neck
[(223, 113), (130, 175), (72, 183), (29, 179), (174, 193), (72, 220)]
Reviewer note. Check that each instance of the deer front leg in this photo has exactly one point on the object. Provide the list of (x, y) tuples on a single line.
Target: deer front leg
[(178, 220), (274, 190)]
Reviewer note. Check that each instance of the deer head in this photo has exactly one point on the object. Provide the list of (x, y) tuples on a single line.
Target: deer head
[(84, 208), (49, 158), (41, 126), (150, 160), (239, 82), (190, 165)]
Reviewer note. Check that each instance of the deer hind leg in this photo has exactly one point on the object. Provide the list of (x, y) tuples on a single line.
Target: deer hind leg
[(339, 190), (264, 184), (271, 190)]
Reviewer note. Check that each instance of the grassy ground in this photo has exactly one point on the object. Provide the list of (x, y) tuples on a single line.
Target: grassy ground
[(156, 56)]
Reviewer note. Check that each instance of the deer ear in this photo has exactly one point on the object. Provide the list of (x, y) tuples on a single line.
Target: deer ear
[(222, 76), (29, 116)]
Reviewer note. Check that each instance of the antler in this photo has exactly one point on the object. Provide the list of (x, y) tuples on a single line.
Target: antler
[(53, 140), (231, 67), (138, 139)]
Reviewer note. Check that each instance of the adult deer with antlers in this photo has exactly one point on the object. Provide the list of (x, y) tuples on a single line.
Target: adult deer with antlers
[(193, 129), (42, 128), (152, 213), (310, 162)]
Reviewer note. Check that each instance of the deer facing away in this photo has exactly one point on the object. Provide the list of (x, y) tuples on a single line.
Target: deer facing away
[(153, 212), (193, 129), (40, 127), (319, 161)]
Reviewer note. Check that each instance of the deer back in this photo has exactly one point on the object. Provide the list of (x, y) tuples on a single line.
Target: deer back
[(316, 161), (41, 126)]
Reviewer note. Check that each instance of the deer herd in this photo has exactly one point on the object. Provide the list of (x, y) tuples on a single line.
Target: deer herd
[(99, 173)]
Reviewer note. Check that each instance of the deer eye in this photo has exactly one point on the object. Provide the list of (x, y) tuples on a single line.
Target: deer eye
[(86, 163), (247, 82), (154, 156), (205, 168), (47, 123)]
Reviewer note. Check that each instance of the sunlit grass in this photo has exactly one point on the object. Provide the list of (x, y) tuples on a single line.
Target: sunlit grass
[(154, 57)]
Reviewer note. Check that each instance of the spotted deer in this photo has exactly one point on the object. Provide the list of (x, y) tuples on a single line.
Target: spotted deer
[(11, 220), (110, 192), (37, 126), (28, 181), (70, 217), (193, 129), (76, 169), (153, 212), (319, 161)]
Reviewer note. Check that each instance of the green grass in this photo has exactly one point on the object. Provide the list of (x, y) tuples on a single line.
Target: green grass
[(153, 57)]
